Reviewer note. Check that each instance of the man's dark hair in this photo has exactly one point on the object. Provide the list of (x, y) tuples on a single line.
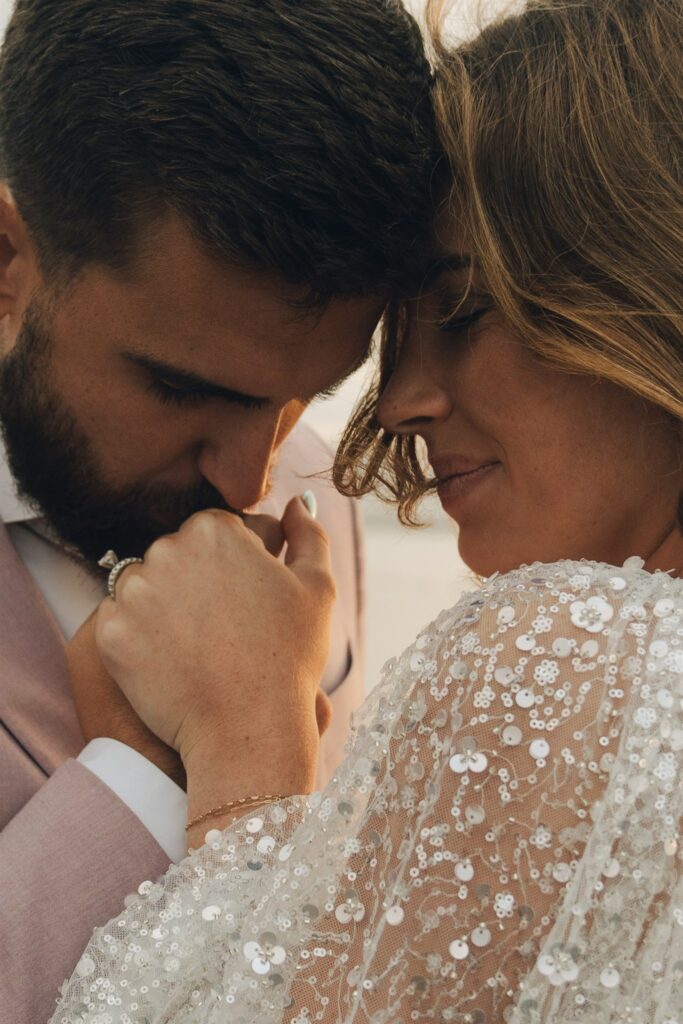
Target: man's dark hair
[(293, 136)]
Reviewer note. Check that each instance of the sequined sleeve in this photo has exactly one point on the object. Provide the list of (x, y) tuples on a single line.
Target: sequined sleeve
[(500, 845)]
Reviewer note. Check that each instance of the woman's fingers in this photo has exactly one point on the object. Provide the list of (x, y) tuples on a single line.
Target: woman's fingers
[(308, 546), (323, 712), (213, 641), (269, 529)]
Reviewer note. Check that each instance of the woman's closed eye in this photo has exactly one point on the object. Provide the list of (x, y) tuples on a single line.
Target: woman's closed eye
[(460, 310), (462, 321)]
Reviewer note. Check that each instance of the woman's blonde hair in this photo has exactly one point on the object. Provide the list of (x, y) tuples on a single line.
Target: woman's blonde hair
[(562, 128)]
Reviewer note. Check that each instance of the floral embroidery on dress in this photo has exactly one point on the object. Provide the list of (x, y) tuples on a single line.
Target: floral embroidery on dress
[(500, 846)]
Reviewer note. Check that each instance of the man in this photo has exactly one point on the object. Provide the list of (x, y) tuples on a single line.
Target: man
[(206, 206)]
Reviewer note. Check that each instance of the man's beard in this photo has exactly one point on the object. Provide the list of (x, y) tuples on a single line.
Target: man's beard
[(53, 465)]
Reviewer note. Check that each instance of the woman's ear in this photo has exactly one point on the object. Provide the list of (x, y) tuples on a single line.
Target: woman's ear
[(19, 274)]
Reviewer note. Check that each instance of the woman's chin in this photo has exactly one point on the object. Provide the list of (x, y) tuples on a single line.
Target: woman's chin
[(479, 544)]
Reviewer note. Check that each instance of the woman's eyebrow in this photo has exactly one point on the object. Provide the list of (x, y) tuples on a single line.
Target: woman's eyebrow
[(449, 262)]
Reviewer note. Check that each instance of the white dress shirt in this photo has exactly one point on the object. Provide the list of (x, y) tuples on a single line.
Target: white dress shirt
[(72, 594)]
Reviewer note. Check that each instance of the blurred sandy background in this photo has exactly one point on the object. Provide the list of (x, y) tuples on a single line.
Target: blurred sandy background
[(412, 574)]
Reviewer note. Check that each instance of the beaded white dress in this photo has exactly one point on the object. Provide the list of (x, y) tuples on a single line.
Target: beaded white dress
[(500, 845)]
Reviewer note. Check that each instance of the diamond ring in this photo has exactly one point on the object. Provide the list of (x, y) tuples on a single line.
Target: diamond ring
[(112, 561)]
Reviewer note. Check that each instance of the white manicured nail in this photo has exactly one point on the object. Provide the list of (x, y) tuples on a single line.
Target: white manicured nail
[(311, 503)]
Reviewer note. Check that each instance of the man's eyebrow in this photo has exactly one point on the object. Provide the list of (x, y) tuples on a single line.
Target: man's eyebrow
[(450, 262), (186, 380)]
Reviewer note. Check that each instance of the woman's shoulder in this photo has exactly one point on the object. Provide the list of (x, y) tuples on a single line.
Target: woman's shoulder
[(583, 573), (591, 591), (571, 580), (550, 612)]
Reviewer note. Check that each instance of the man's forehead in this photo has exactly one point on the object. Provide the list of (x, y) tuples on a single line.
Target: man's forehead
[(179, 297), (169, 255), (269, 345)]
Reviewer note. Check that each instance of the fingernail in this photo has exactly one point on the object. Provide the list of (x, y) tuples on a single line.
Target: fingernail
[(311, 503)]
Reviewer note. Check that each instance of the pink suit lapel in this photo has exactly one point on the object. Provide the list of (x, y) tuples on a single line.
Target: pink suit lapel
[(36, 706)]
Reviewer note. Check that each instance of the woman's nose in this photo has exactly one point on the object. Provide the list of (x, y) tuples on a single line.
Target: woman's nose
[(411, 401)]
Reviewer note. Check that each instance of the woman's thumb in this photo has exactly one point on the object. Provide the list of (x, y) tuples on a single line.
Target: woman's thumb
[(308, 547)]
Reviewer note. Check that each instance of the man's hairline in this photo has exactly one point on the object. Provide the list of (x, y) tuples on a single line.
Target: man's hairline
[(305, 306)]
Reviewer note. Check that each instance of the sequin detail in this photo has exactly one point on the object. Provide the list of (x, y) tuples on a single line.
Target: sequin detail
[(501, 845)]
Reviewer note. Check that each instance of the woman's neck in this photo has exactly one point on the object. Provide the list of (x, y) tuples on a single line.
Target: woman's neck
[(668, 555)]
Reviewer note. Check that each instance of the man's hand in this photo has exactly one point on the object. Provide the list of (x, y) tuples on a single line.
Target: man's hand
[(104, 711)]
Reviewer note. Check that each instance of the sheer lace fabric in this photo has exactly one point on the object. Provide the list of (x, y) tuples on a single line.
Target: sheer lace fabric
[(501, 843)]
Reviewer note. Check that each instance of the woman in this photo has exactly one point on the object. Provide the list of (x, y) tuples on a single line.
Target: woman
[(502, 842)]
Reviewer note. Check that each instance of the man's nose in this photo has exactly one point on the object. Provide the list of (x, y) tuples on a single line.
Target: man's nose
[(413, 397), (238, 464)]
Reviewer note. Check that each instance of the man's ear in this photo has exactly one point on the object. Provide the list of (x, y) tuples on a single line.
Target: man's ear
[(19, 275)]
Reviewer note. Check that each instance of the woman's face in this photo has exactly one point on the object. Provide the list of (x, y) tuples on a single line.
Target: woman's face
[(534, 463)]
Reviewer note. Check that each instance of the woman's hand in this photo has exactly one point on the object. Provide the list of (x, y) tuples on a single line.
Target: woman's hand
[(220, 648)]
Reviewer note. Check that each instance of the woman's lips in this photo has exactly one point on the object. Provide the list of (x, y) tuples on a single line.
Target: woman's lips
[(455, 487)]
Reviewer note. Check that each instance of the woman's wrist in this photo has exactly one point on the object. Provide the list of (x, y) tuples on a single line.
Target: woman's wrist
[(218, 820), (263, 741), (217, 779)]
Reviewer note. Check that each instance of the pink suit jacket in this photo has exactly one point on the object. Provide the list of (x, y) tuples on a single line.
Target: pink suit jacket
[(70, 850)]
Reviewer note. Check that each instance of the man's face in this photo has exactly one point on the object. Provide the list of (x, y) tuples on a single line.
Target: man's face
[(129, 404)]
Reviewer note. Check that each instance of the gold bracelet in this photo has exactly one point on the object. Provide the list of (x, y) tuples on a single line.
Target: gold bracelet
[(235, 805)]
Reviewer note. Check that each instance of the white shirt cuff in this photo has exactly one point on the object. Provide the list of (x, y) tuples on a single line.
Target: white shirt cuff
[(155, 799)]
